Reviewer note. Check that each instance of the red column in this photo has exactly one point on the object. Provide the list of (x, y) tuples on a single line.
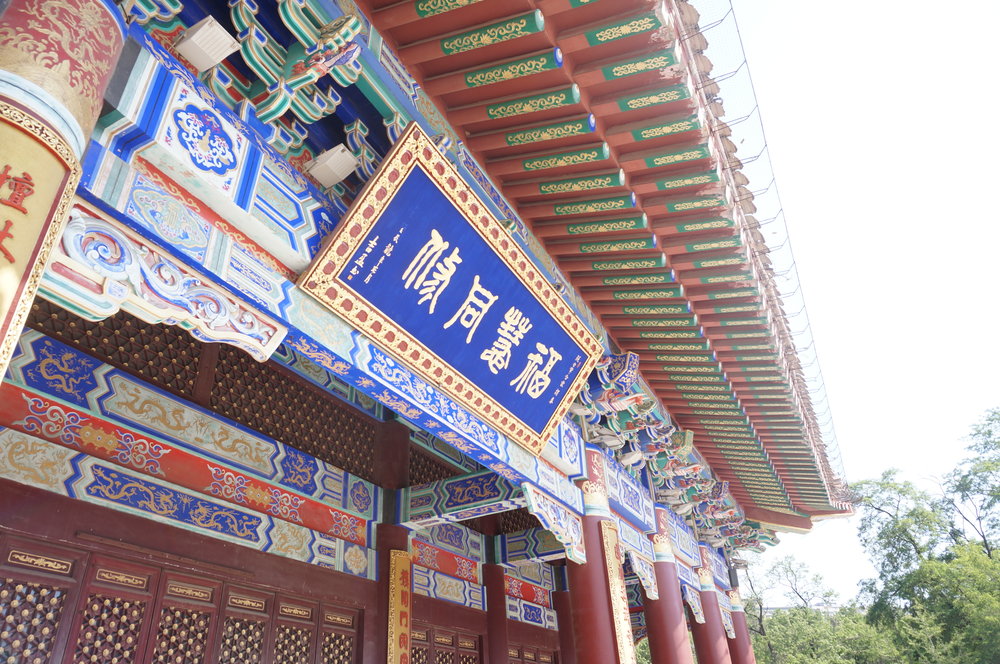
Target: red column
[(740, 648), (56, 59), (393, 440), (497, 637), (666, 625), (564, 615), (590, 598), (710, 641)]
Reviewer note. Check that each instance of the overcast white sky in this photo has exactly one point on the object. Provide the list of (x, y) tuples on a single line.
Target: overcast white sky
[(882, 126)]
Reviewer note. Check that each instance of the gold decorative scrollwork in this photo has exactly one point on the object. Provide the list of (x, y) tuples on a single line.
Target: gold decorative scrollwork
[(632, 27)]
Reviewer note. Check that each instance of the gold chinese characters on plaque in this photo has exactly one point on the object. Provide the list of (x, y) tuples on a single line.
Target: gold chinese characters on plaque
[(423, 269)]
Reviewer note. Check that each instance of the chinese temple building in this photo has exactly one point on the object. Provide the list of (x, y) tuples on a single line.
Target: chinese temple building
[(417, 332)]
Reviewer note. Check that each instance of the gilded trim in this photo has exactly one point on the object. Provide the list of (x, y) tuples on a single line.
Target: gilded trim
[(122, 579), (52, 226), (619, 600), (400, 607), (185, 591), (44, 563)]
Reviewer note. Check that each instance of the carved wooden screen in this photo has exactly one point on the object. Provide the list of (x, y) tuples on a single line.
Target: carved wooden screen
[(520, 654), (187, 616), (38, 590), (69, 605), (117, 616), (433, 645)]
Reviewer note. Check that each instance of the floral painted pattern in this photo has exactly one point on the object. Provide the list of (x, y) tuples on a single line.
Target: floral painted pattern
[(200, 132)]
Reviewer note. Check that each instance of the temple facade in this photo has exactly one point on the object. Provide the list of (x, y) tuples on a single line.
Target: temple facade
[(419, 332)]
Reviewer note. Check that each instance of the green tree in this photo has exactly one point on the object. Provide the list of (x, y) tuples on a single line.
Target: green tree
[(938, 585), (901, 527), (961, 594), (756, 585), (864, 643), (805, 633), (973, 489), (802, 587), (802, 635), (920, 635)]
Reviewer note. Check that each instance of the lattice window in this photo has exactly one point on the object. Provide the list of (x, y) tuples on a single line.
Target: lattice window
[(292, 645), (424, 468), (242, 641), (29, 617), (338, 648), (165, 356), (182, 637), (109, 632), (265, 399), (516, 520), (468, 658), (418, 655), (444, 657)]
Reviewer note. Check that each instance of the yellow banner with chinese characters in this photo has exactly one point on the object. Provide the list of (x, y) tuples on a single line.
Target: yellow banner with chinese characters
[(38, 176), (614, 559), (400, 607)]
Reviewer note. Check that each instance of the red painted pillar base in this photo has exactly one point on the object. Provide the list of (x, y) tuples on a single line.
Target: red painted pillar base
[(666, 624), (710, 641), (393, 473), (740, 648), (589, 593), (564, 614), (496, 614)]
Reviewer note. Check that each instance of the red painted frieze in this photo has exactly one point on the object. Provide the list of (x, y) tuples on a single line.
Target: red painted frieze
[(40, 416)]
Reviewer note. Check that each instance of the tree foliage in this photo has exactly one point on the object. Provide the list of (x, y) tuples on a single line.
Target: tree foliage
[(936, 596), (804, 635), (973, 489)]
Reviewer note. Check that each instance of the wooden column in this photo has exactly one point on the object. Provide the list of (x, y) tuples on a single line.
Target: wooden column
[(590, 599), (564, 614), (55, 63), (666, 624), (498, 636), (393, 450), (710, 641), (590, 588), (740, 648)]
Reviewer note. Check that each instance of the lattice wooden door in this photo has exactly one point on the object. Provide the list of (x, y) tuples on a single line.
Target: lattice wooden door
[(433, 645), (71, 606)]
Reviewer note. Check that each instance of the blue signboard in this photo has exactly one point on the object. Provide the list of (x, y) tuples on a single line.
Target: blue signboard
[(421, 267)]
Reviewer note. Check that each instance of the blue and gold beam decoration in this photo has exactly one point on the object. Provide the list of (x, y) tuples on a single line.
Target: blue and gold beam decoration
[(532, 545), (458, 498)]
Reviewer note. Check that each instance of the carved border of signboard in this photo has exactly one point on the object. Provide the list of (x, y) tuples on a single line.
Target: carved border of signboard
[(415, 150)]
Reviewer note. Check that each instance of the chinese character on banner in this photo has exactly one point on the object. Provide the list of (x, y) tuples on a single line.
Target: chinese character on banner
[(5, 234), (20, 188), (470, 314), (428, 273), (534, 379), (510, 333)]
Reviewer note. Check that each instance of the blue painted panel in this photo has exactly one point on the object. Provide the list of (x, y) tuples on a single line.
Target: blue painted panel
[(118, 487), (459, 316)]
